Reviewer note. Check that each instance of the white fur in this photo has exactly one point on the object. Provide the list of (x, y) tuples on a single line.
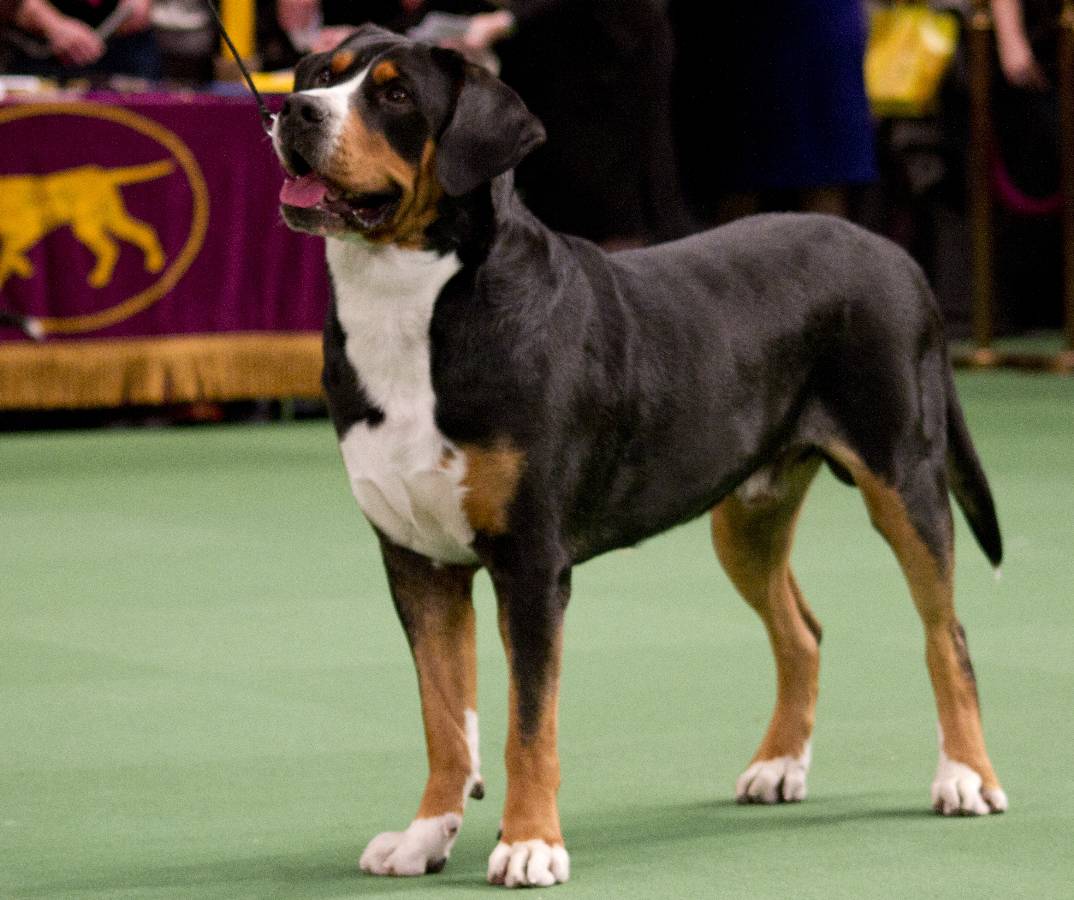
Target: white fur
[(35, 329), (410, 852), (760, 486), (475, 757), (956, 789), (406, 476), (770, 780), (338, 102), (529, 863), (426, 840)]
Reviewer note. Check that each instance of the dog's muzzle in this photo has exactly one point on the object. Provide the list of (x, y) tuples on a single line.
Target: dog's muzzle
[(301, 131)]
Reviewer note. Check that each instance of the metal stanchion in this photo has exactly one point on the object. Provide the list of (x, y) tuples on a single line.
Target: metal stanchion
[(979, 58), (1065, 360), (982, 272)]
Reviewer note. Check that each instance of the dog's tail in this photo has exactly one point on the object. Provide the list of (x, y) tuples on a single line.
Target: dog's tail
[(28, 325), (147, 172), (968, 481)]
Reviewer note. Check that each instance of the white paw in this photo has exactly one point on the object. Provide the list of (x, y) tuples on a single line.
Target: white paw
[(529, 863), (774, 780), (423, 848), (956, 791)]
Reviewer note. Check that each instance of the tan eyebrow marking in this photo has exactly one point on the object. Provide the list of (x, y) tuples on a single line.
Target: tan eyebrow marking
[(341, 61), (384, 72)]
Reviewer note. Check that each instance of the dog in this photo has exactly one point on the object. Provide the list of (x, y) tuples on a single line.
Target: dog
[(511, 398), (87, 198)]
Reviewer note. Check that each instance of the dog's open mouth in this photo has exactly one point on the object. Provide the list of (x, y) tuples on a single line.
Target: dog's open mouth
[(336, 207)]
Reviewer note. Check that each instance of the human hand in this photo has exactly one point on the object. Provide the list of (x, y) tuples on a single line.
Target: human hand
[(139, 19), (485, 30), (1020, 66), (297, 15), (331, 37), (72, 42)]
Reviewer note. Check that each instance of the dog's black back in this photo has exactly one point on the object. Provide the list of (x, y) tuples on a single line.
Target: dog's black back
[(645, 385)]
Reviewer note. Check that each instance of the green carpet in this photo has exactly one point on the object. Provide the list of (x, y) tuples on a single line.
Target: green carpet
[(204, 691)]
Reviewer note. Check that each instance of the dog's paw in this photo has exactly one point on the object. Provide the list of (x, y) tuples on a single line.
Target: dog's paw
[(529, 864), (957, 791), (422, 849), (98, 278), (779, 780)]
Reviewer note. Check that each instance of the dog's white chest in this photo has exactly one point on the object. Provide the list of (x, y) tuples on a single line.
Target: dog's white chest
[(406, 476)]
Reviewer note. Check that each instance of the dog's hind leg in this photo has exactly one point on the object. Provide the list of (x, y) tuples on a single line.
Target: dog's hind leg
[(93, 236), (752, 531), (13, 259), (435, 608), (916, 521), (142, 236)]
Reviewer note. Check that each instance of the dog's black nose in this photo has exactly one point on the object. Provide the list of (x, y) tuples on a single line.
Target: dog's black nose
[(310, 109)]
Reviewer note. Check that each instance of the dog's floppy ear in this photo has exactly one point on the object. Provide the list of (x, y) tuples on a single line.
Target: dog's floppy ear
[(490, 131)]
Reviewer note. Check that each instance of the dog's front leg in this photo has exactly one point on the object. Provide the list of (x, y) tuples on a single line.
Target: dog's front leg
[(531, 605), (435, 607)]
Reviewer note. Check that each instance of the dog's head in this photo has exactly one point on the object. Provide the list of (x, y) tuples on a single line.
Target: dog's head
[(381, 128)]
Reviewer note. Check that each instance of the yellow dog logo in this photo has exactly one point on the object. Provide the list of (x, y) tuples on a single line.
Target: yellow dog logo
[(88, 199)]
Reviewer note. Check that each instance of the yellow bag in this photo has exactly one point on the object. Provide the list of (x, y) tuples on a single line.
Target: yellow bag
[(910, 47)]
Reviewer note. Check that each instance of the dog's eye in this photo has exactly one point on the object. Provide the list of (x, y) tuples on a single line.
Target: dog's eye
[(324, 76), (396, 93)]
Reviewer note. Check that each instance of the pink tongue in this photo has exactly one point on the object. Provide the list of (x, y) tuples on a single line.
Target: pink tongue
[(303, 192)]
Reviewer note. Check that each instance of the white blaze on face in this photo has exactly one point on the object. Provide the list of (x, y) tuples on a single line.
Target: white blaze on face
[(338, 100)]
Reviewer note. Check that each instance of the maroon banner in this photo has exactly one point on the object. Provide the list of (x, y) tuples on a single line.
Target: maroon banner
[(149, 215)]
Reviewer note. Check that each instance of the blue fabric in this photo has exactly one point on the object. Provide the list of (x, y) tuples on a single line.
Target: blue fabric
[(794, 114)]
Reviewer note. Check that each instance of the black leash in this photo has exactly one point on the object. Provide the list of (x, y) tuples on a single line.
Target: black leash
[(266, 117)]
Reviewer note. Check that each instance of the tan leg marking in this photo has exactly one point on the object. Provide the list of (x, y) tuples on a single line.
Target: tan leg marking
[(753, 542), (445, 655), (446, 658), (438, 616), (530, 809), (491, 480), (931, 581), (806, 613)]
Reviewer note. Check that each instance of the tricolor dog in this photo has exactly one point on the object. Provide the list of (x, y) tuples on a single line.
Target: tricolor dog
[(517, 399)]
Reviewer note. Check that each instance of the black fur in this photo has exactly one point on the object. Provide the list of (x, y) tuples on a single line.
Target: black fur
[(469, 152), (642, 387)]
